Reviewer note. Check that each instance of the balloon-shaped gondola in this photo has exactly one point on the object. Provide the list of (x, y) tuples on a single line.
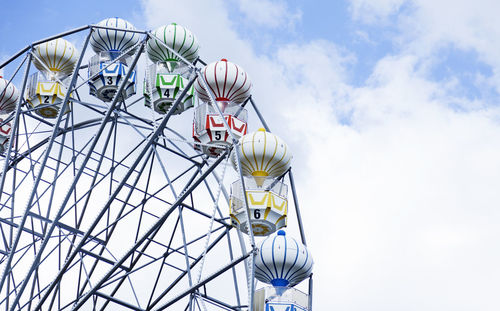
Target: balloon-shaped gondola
[(231, 86), (110, 65), (264, 158), (47, 88), (5, 128), (55, 58), (228, 82), (262, 155), (8, 96), (282, 262), (118, 39), (168, 48)]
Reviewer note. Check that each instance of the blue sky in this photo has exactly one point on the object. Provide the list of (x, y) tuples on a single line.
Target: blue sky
[(392, 108), (319, 20), (44, 18)]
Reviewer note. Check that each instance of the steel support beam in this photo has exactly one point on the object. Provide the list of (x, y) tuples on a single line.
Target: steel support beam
[(46, 156), (122, 183), (150, 231), (205, 281)]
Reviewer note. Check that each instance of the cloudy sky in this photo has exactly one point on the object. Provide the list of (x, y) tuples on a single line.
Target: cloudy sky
[(392, 110)]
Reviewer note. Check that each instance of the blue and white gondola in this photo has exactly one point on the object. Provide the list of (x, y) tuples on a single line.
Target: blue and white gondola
[(282, 261), (110, 65)]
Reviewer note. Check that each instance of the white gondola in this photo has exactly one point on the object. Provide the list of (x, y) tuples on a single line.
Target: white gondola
[(46, 89), (5, 128), (282, 262), (263, 155), (106, 72), (8, 96), (110, 65), (209, 129), (226, 80), (268, 206), (168, 75), (45, 95), (231, 86), (264, 159), (272, 298), (164, 84)]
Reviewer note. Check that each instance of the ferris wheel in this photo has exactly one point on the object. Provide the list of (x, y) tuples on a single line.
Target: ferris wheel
[(130, 180)]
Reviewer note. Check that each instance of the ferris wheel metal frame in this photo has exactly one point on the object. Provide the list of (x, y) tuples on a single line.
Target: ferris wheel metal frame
[(30, 160)]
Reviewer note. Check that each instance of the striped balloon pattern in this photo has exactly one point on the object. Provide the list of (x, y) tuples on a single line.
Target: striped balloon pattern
[(176, 37), (114, 40), (58, 55), (282, 261), (226, 80), (262, 154), (8, 96)]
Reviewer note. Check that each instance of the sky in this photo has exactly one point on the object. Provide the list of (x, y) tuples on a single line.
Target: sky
[(392, 110)]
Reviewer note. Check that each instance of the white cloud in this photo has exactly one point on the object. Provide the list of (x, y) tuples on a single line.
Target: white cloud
[(402, 196), (273, 14), (469, 25), (210, 23), (397, 188), (374, 11), (425, 28)]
